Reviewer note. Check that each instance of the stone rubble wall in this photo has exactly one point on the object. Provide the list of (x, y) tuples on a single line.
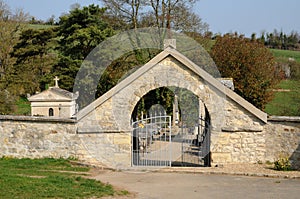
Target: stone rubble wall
[(41, 137), (283, 139), (241, 139), (280, 137), (38, 137)]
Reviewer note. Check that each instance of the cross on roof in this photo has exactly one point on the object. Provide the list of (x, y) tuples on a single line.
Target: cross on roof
[(56, 81)]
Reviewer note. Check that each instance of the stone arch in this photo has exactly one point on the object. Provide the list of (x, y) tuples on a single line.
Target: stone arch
[(148, 103), (177, 76), (109, 116)]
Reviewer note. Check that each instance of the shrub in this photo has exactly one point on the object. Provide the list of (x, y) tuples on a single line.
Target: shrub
[(250, 64), (282, 163)]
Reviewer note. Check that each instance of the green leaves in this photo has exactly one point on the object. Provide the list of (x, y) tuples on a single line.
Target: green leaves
[(80, 32), (250, 64)]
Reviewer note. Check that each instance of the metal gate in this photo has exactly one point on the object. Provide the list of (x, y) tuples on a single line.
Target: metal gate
[(151, 142), (156, 143), (195, 143)]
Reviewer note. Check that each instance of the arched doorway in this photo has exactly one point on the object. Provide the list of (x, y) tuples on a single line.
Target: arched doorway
[(176, 136)]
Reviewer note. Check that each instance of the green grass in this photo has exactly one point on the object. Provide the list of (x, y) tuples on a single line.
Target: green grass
[(284, 55), (286, 103), (40, 26), (49, 178), (22, 106)]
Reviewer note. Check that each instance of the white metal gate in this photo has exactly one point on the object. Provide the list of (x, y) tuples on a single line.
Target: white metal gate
[(151, 142), (156, 143)]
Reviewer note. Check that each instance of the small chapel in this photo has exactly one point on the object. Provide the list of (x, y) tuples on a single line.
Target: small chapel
[(54, 102)]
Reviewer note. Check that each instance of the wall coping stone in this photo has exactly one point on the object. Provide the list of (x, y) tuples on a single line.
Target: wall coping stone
[(35, 119), (283, 119)]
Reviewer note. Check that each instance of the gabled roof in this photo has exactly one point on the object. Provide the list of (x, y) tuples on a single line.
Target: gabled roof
[(53, 94), (169, 51)]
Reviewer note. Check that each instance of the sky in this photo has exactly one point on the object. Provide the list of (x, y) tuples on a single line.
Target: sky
[(223, 16)]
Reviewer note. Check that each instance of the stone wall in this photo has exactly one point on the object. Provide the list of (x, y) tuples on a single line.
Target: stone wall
[(283, 138), (279, 137), (241, 139), (37, 137)]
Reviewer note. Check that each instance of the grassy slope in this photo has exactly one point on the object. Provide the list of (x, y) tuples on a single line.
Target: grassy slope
[(284, 55), (286, 102), (22, 106), (48, 178)]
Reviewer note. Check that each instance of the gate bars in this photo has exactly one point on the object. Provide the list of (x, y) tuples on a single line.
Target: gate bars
[(151, 142)]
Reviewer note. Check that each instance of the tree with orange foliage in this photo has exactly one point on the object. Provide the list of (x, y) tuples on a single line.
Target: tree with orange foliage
[(250, 64)]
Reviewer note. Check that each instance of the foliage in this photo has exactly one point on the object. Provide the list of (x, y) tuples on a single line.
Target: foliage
[(79, 33), (281, 40), (174, 14), (22, 106), (122, 67), (163, 96), (6, 102), (11, 24), (286, 100), (249, 63), (48, 178), (282, 163), (295, 70), (34, 59)]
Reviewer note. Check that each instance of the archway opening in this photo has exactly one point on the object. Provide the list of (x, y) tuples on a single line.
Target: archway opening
[(171, 127)]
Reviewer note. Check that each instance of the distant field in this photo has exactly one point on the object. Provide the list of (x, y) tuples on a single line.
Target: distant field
[(284, 55), (40, 26), (286, 100)]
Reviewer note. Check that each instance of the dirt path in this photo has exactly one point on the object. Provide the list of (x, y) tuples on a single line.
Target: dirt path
[(193, 184)]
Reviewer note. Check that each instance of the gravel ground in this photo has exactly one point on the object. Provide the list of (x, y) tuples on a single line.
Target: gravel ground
[(262, 170), (229, 181)]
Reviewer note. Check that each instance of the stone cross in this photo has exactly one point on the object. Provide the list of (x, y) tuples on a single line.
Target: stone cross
[(56, 81)]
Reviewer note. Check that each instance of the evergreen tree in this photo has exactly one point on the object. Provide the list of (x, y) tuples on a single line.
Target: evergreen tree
[(79, 32)]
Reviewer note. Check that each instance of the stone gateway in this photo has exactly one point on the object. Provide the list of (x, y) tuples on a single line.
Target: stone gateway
[(102, 131)]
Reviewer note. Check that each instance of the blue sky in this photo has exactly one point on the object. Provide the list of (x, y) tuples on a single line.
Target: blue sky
[(242, 16)]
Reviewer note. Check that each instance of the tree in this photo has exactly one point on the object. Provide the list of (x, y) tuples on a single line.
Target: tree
[(177, 15), (127, 10), (34, 59), (169, 14), (79, 32), (249, 63), (11, 24)]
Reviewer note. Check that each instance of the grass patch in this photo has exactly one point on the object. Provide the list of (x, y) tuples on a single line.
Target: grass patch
[(40, 26), (284, 55), (49, 178), (286, 102), (22, 106)]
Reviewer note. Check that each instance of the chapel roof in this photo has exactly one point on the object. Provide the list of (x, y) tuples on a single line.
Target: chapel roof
[(54, 94)]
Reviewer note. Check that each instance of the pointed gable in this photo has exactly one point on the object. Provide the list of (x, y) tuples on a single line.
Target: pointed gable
[(169, 51), (53, 94)]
